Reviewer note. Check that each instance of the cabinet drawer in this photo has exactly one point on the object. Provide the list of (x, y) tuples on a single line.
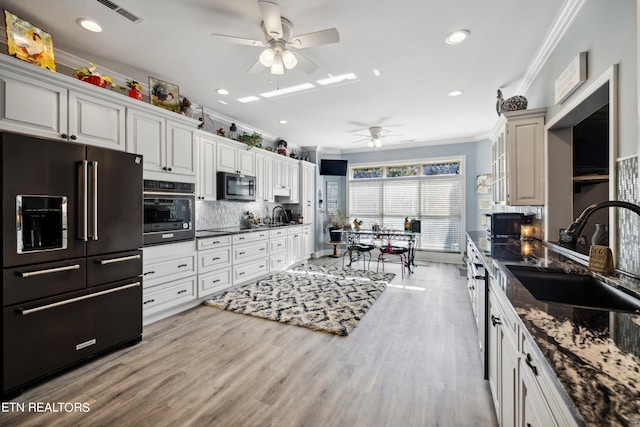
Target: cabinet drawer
[(213, 282), (211, 260), (68, 329), (250, 237), (110, 268), (277, 232), (278, 245), (169, 294), (278, 261), (168, 269), (294, 230), (250, 270), (250, 252), (213, 242)]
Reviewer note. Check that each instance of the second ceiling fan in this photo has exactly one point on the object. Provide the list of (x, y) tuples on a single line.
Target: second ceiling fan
[(376, 133), (281, 45)]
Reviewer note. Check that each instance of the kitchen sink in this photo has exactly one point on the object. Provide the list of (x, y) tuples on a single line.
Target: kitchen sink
[(554, 285)]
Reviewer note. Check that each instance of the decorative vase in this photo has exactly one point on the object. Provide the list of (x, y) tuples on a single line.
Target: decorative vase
[(94, 80), (135, 93), (601, 235)]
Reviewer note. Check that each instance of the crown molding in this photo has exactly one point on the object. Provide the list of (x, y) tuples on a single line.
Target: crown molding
[(558, 29)]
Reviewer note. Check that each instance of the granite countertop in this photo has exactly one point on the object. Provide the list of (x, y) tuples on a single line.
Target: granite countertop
[(213, 232), (594, 353)]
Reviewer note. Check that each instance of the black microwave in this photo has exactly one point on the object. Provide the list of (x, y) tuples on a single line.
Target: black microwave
[(233, 186), (504, 224)]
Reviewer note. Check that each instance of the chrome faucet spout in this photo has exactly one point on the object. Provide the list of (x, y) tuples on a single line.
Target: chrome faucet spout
[(283, 215), (575, 229)]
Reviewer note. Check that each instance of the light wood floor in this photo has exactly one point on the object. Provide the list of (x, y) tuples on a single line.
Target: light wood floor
[(412, 361)]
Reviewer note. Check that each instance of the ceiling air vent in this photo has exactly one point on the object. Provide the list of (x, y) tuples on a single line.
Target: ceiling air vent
[(122, 11)]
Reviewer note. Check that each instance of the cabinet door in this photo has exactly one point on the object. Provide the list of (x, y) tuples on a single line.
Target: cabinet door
[(260, 178), (308, 183), (181, 149), (493, 348), (525, 151), (534, 411), (96, 121), (226, 158), (294, 196), (146, 136), (32, 107), (246, 162), (508, 378), (281, 175), (269, 164), (207, 169)]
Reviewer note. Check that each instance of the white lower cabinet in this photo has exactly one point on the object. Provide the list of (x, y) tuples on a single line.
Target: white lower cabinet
[(522, 389), (250, 255), (169, 279), (214, 265)]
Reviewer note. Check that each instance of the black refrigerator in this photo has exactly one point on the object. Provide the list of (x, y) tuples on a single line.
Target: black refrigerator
[(71, 255)]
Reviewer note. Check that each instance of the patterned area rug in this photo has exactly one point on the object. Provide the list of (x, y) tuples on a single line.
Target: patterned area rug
[(321, 298)]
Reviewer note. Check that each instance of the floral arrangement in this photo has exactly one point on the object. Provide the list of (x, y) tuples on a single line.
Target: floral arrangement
[(253, 140), (86, 73), (132, 84)]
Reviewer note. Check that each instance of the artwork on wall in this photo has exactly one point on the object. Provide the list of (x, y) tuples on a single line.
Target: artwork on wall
[(332, 196), (163, 94), (483, 184), (29, 43)]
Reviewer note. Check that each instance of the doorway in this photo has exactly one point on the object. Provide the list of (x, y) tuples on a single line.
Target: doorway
[(580, 150)]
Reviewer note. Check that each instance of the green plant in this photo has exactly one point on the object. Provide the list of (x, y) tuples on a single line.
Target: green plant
[(335, 220), (131, 84), (253, 140)]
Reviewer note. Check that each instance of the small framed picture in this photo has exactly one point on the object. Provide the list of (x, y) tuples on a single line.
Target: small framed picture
[(483, 184), (164, 95), (29, 43)]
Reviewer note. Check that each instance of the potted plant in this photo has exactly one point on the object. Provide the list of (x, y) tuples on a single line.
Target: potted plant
[(91, 75), (135, 90), (335, 223), (253, 140)]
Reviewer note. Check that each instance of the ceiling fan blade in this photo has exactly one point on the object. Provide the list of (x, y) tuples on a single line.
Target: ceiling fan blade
[(307, 65), (271, 18), (256, 68), (360, 140), (239, 40), (316, 39)]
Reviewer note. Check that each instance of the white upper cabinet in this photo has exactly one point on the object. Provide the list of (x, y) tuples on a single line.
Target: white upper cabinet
[(167, 146), (235, 158), (264, 177), (518, 159), (206, 184), (42, 108), (294, 194), (308, 183)]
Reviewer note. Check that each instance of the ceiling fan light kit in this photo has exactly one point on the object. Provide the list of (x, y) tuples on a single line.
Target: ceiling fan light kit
[(278, 35)]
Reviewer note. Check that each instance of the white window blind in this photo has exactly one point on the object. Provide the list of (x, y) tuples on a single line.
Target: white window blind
[(435, 200)]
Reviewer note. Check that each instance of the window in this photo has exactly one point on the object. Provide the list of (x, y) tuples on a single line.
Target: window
[(428, 191)]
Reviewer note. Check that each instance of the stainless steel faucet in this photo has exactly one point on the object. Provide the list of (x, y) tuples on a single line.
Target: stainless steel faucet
[(575, 229), (283, 215)]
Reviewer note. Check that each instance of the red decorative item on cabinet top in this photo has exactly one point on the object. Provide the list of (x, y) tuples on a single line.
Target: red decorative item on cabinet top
[(94, 80), (135, 93)]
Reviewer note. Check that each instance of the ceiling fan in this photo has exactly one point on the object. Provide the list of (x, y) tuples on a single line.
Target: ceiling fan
[(376, 133), (279, 40)]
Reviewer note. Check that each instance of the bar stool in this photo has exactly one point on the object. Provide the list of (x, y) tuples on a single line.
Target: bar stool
[(391, 249)]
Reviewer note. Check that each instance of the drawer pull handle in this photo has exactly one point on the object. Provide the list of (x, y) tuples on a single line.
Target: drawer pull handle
[(241, 253), (182, 291), (478, 277), (216, 281), (24, 312), (149, 272), (149, 301), (217, 242), (261, 249), (241, 273), (529, 361), (215, 258), (495, 320), (121, 259), (240, 238), (182, 265), (49, 270)]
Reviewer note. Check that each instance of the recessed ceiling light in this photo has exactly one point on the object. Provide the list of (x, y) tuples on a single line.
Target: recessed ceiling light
[(457, 37), (376, 72), (455, 93), (90, 25), (222, 92), (222, 102), (283, 122)]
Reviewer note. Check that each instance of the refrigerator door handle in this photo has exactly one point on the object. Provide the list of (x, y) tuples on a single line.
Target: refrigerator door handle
[(83, 191), (94, 200)]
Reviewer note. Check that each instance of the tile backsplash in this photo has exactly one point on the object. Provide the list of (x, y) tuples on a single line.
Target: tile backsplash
[(223, 213), (628, 250)]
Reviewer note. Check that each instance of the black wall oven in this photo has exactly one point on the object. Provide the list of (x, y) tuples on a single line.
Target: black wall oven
[(168, 211)]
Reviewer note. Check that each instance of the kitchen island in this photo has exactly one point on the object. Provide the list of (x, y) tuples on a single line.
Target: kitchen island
[(592, 355)]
